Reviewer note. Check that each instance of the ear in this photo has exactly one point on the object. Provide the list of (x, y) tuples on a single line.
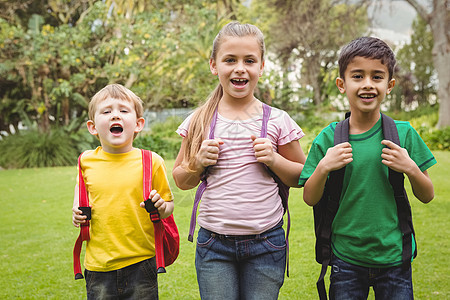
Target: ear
[(213, 67), (340, 83), (139, 125), (91, 127), (391, 85)]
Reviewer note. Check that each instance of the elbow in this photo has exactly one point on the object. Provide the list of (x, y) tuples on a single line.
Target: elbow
[(428, 198)]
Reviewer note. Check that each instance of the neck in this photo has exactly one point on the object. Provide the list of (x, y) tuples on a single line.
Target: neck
[(240, 109), (362, 122)]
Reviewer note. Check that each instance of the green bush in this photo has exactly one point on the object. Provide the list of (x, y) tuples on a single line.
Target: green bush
[(30, 149), (162, 138), (436, 139)]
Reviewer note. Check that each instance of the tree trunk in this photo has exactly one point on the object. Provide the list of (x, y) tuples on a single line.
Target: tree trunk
[(439, 21)]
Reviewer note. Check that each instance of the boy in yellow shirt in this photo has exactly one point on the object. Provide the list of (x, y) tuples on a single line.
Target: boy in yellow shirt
[(120, 255)]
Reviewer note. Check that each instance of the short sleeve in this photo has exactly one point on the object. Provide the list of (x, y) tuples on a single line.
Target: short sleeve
[(183, 128), (159, 178), (288, 129)]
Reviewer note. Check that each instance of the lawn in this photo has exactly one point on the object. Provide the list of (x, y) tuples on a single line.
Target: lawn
[(37, 239)]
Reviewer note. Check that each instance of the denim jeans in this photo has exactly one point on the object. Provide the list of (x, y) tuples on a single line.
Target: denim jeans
[(240, 267), (348, 281), (138, 281)]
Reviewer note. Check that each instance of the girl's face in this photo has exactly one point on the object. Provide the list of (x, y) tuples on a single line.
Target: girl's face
[(238, 64)]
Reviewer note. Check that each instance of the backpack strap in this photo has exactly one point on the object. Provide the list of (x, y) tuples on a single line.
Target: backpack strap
[(332, 194), (84, 228), (157, 224), (283, 190), (396, 180), (202, 187)]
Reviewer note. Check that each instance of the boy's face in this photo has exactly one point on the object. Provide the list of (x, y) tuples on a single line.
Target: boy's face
[(366, 83), (115, 122)]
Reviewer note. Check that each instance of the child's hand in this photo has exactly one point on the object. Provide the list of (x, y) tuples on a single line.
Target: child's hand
[(208, 153), (337, 157), (263, 150), (163, 207), (397, 158), (77, 218)]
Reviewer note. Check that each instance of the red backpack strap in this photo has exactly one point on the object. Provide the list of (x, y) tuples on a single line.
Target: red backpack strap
[(154, 215), (84, 228)]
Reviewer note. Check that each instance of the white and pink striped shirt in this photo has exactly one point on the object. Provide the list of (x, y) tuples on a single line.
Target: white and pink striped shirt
[(241, 197)]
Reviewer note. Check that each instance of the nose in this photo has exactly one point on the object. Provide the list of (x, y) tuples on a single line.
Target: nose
[(240, 67), (367, 83), (115, 115)]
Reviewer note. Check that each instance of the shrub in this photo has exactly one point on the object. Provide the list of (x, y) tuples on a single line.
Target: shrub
[(30, 149)]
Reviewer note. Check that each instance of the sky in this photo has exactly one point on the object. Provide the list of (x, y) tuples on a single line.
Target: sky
[(392, 20)]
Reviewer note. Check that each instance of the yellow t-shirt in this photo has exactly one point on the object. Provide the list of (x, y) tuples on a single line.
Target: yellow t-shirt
[(121, 231)]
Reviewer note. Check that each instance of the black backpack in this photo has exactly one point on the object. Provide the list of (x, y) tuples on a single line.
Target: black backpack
[(325, 210)]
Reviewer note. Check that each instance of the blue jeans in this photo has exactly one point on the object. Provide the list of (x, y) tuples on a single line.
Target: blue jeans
[(138, 281), (240, 267), (348, 281)]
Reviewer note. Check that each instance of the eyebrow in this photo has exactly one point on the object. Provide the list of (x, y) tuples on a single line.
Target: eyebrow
[(361, 70)]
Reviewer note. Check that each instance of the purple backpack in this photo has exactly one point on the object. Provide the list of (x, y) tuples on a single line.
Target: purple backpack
[(283, 190)]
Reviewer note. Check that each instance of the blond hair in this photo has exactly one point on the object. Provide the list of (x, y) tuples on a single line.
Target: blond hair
[(116, 91), (202, 117)]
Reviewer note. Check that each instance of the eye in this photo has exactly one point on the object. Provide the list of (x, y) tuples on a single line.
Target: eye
[(230, 60), (357, 76), (107, 111), (250, 61), (378, 77), (123, 111)]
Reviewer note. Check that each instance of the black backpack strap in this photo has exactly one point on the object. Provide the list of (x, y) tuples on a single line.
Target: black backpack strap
[(396, 180), (332, 194)]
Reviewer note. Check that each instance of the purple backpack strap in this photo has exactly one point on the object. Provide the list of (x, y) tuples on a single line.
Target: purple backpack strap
[(202, 187), (283, 189)]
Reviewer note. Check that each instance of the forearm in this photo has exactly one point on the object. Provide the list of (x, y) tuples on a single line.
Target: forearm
[(421, 185), (315, 185), (168, 210), (185, 180), (288, 171)]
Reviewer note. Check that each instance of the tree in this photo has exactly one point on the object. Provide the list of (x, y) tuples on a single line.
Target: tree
[(439, 20), (312, 32), (416, 64)]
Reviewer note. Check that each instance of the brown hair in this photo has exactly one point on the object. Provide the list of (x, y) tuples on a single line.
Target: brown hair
[(368, 47), (201, 119)]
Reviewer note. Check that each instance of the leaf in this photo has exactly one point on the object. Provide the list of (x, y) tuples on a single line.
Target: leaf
[(35, 23)]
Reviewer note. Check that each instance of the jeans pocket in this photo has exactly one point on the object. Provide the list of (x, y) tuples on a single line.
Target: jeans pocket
[(204, 242), (275, 243)]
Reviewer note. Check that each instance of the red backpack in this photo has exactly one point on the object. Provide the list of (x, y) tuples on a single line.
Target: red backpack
[(167, 238)]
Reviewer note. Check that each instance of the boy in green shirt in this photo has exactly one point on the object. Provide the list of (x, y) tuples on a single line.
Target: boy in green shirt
[(366, 240)]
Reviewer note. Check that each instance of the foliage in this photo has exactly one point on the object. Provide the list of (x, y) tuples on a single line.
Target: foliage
[(162, 138), (32, 149), (415, 74)]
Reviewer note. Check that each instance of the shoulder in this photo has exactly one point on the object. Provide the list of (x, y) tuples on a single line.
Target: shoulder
[(184, 126)]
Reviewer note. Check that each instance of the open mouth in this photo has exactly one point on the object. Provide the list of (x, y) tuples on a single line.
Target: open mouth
[(367, 97), (116, 129), (239, 82)]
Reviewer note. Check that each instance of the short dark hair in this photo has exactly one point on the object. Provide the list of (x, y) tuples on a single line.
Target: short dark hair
[(368, 47)]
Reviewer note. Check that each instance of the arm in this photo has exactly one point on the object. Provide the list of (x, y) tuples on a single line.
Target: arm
[(77, 218), (287, 163), (207, 156), (335, 158), (398, 159)]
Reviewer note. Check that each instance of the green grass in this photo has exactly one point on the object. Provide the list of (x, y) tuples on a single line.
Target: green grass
[(37, 239)]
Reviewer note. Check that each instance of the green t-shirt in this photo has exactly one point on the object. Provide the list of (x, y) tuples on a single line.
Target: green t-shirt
[(366, 230)]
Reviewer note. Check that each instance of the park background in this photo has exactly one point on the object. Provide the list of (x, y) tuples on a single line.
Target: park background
[(55, 54)]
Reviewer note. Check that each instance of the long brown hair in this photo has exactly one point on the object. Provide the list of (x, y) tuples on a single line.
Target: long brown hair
[(201, 119)]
